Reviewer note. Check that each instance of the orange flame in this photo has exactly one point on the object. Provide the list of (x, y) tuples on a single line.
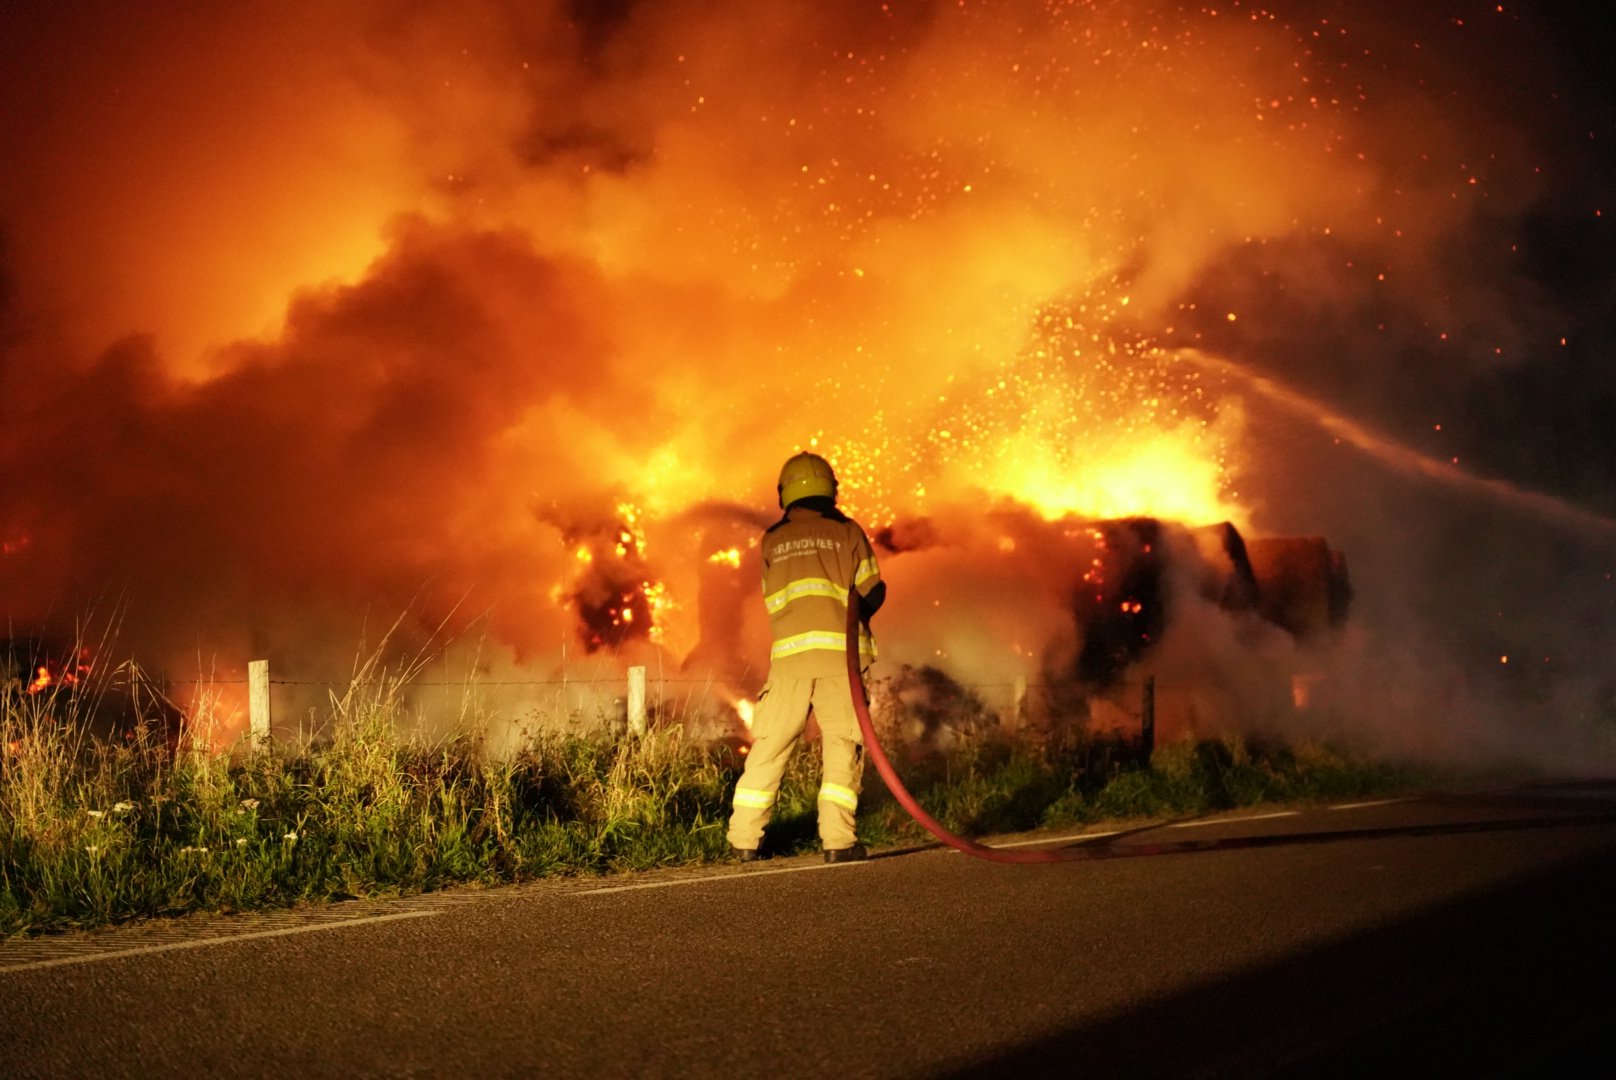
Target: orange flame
[(660, 603), (44, 678), (68, 673)]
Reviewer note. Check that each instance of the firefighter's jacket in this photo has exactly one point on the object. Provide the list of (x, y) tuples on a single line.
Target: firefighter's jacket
[(810, 557)]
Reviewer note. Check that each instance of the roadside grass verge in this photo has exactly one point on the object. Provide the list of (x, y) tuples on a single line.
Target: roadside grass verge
[(1005, 787), (95, 832)]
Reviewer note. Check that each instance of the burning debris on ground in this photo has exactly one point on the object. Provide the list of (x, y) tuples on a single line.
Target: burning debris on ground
[(34, 666), (64, 686)]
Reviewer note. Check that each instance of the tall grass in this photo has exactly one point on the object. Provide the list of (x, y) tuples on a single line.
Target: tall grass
[(95, 830)]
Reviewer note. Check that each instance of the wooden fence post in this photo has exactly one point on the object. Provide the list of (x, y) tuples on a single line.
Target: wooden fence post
[(636, 701), (1147, 717), (258, 703)]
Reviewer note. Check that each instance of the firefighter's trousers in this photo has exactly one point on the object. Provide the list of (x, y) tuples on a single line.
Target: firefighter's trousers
[(777, 724)]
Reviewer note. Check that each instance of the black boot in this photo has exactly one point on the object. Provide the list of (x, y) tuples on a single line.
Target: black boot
[(856, 853)]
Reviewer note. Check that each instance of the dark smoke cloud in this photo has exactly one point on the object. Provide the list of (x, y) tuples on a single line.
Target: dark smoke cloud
[(362, 458)]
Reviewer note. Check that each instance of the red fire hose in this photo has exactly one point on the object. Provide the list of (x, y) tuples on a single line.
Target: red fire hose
[(883, 765), (872, 746)]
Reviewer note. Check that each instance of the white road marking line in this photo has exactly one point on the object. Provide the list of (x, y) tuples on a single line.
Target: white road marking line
[(173, 946), (1371, 802), (740, 875), (1046, 840), (1584, 794), (1228, 820), (821, 866)]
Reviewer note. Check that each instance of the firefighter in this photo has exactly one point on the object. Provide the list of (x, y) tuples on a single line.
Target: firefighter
[(810, 558)]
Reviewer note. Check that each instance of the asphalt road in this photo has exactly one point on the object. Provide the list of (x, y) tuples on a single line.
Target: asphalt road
[(1456, 935)]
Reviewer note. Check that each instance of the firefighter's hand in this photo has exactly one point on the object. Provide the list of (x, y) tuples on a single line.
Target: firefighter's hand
[(870, 603)]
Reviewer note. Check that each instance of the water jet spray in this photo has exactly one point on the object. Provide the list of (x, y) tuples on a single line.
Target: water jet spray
[(1396, 455)]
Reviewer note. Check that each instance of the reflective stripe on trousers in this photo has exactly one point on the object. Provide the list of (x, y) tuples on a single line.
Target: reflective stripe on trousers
[(777, 726), (840, 794), (753, 799)]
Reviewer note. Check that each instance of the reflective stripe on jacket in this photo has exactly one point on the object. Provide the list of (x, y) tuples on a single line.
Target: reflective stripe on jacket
[(809, 559)]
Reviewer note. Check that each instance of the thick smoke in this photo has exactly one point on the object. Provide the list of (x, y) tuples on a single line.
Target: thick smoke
[(317, 314)]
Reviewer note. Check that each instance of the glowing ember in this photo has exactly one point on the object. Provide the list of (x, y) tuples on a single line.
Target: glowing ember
[(48, 676), (660, 604), (727, 557)]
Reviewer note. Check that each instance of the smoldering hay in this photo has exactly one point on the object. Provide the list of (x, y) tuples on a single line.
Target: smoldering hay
[(501, 318)]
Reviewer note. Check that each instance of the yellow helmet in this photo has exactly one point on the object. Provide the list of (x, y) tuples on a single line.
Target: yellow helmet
[(804, 475)]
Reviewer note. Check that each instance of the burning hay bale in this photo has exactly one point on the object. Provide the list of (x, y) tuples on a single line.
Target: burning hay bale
[(1219, 635), (1140, 568), (1204, 631), (1305, 587), (1199, 630)]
